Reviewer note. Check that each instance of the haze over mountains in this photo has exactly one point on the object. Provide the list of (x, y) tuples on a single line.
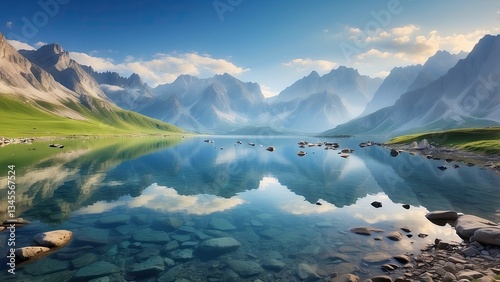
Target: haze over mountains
[(447, 91), (468, 95)]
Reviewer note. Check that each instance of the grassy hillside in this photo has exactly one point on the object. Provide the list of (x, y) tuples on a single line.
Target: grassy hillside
[(25, 119), (479, 140)]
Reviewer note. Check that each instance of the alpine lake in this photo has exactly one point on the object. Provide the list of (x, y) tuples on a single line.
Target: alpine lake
[(143, 209)]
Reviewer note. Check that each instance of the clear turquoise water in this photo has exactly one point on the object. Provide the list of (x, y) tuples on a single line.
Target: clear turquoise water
[(268, 200)]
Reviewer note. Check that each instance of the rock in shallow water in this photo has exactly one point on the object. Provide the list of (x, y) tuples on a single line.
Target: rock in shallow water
[(365, 230), (273, 264), (182, 254), (245, 268), (395, 236), (149, 236), (218, 246), (376, 257), (307, 272), (150, 267), (442, 215), (27, 253), (221, 224), (92, 236), (346, 278), (113, 220), (56, 238), (95, 270)]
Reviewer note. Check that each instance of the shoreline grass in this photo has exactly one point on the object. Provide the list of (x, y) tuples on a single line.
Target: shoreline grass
[(25, 119), (484, 141)]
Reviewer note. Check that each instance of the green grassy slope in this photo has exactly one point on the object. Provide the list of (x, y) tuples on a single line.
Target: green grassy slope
[(480, 140), (25, 119)]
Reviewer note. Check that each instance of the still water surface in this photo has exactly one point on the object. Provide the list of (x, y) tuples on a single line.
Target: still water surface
[(136, 200)]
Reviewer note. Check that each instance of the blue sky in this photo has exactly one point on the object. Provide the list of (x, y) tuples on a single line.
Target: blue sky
[(273, 43)]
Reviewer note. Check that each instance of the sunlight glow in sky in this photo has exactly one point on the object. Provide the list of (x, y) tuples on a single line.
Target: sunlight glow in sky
[(273, 43)]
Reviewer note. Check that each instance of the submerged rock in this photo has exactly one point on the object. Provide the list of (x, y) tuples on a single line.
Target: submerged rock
[(218, 246), (46, 266), (346, 278), (95, 270), (149, 236), (273, 264), (92, 236), (376, 204), (113, 220), (376, 257), (150, 267), (245, 268), (308, 272), (220, 224), (182, 254)]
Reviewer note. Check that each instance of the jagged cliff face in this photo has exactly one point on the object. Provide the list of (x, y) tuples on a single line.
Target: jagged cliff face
[(54, 60), (19, 75)]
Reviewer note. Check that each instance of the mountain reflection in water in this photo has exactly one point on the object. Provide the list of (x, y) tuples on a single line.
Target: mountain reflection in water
[(300, 207)]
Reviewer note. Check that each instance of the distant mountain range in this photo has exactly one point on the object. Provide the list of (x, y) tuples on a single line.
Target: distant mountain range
[(223, 104), (402, 79), (48, 88), (447, 91), (467, 95)]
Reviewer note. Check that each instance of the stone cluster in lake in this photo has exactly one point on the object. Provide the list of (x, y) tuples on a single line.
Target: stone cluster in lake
[(46, 242)]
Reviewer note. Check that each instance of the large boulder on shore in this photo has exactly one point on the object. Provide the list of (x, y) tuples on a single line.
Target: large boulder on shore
[(468, 224), (487, 236), (424, 144), (56, 238)]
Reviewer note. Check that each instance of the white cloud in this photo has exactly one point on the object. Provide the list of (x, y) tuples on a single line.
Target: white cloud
[(98, 64), (384, 34), (267, 91), (40, 44), (402, 39), (409, 44), (354, 30), (374, 53), (18, 45), (111, 88), (383, 74), (404, 30), (308, 64), (9, 24), (163, 68)]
